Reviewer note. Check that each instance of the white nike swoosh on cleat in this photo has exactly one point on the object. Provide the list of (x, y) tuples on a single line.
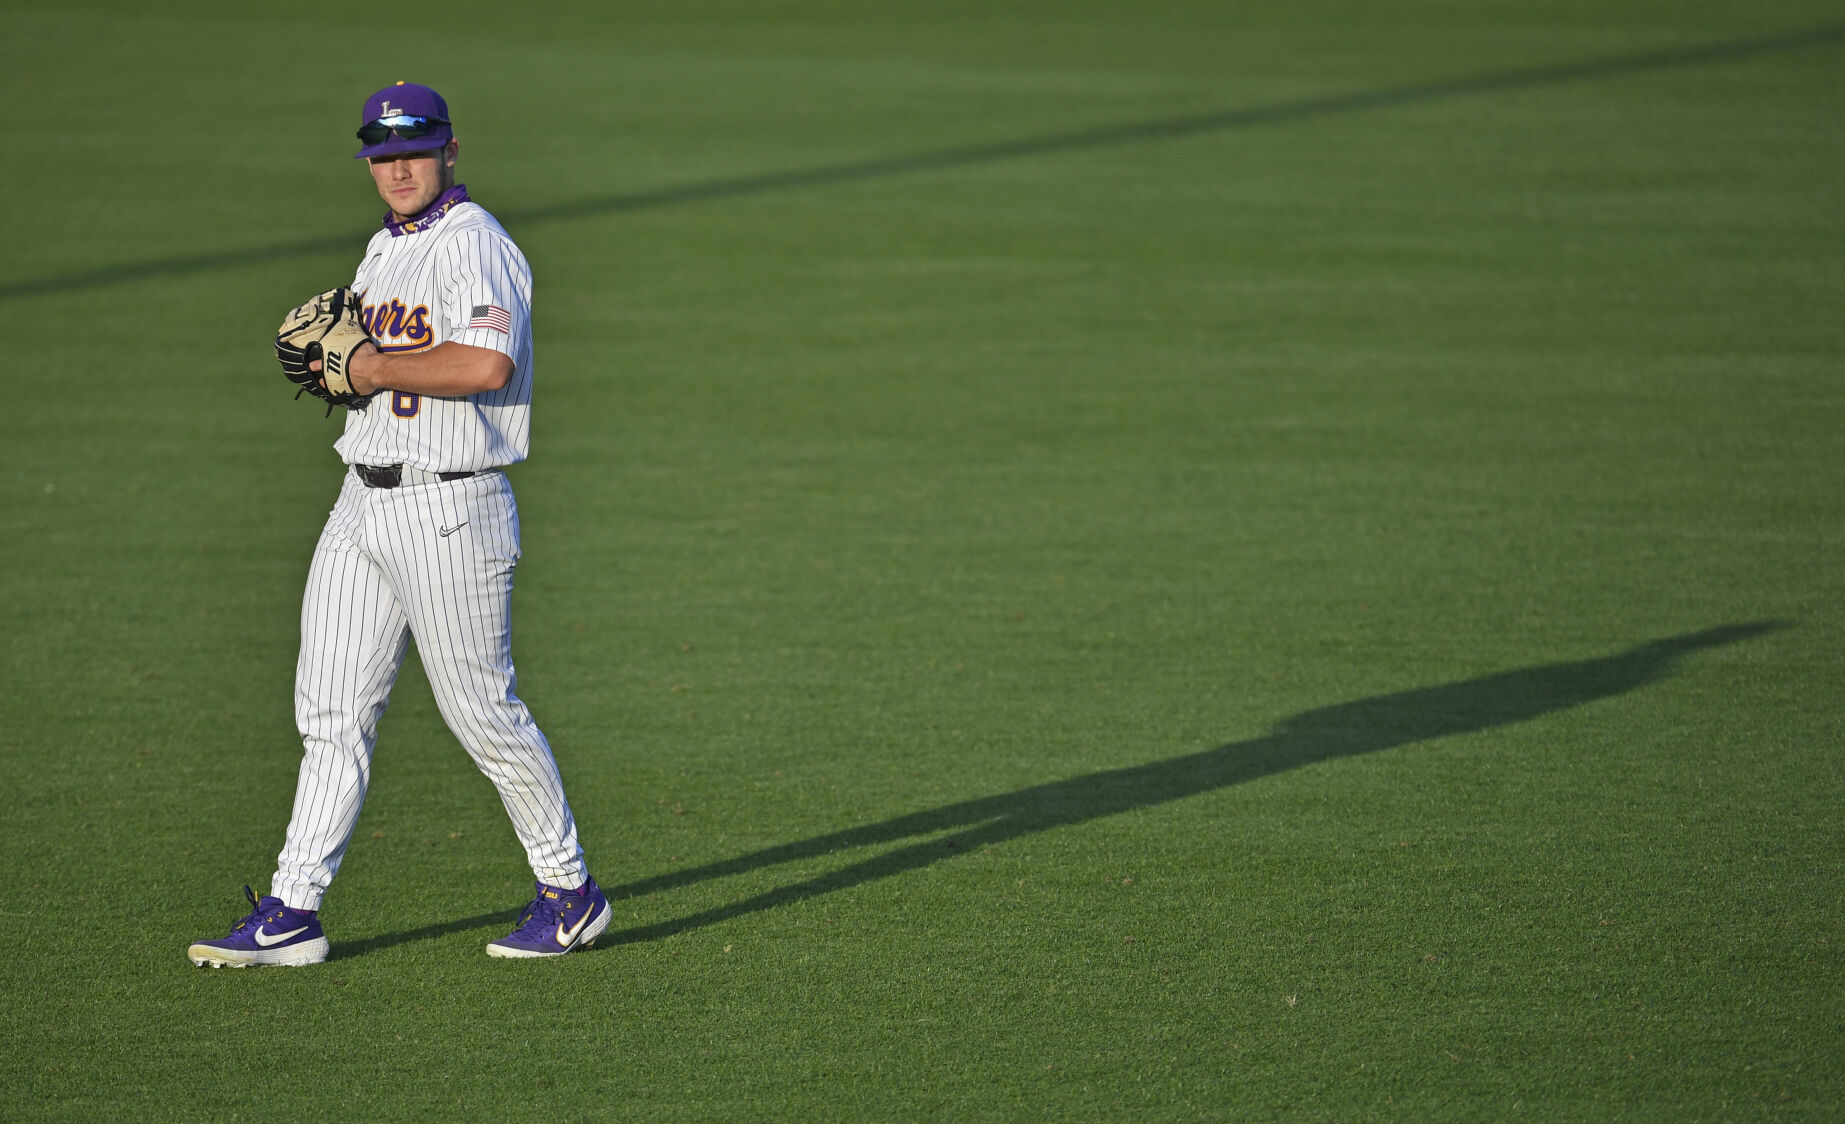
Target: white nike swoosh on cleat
[(564, 938), (266, 939)]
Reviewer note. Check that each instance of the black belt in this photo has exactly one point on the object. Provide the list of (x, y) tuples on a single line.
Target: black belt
[(392, 475)]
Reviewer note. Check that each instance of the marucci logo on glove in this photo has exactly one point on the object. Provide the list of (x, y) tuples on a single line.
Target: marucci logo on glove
[(325, 330), (491, 316)]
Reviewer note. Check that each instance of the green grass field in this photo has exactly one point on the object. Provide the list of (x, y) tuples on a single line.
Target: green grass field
[(1083, 561)]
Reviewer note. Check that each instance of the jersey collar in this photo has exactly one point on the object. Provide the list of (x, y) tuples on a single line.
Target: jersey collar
[(429, 215)]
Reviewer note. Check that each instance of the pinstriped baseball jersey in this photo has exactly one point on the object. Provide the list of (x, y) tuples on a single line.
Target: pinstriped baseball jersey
[(422, 545), (419, 556), (455, 275)]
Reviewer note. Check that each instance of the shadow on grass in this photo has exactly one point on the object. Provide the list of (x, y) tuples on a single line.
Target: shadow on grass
[(1343, 730), (1096, 137), (501, 922)]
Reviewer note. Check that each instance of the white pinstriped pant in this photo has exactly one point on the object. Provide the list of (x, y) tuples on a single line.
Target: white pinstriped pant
[(385, 571)]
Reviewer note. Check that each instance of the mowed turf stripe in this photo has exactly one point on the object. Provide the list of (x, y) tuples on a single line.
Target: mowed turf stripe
[(1109, 136)]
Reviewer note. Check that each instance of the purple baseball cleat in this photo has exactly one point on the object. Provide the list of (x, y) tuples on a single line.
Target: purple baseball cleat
[(557, 921), (271, 934)]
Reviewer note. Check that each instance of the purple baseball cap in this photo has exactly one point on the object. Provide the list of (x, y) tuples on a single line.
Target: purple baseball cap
[(417, 118)]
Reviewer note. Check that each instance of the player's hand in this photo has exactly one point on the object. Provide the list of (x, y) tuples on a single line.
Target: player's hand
[(358, 367), (315, 345)]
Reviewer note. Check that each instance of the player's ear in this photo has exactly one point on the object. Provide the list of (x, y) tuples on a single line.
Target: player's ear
[(449, 152)]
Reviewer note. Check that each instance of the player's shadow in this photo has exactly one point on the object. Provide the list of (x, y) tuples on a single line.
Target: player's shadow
[(500, 921), (1343, 730)]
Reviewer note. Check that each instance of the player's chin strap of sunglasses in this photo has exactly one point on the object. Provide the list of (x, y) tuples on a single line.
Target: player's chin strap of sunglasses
[(406, 125)]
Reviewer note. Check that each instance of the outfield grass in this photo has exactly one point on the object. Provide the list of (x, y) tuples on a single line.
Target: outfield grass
[(1170, 561)]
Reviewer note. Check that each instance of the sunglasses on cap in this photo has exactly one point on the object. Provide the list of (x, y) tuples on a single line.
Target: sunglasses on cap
[(407, 126)]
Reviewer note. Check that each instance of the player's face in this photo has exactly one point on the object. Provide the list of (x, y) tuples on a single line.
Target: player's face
[(410, 181)]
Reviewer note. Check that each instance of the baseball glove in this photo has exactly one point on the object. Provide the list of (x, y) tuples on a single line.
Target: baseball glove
[(327, 328)]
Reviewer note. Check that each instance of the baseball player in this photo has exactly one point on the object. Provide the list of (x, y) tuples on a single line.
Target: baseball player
[(431, 352)]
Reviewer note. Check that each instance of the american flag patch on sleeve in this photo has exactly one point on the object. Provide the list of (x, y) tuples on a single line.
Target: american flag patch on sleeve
[(491, 316)]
